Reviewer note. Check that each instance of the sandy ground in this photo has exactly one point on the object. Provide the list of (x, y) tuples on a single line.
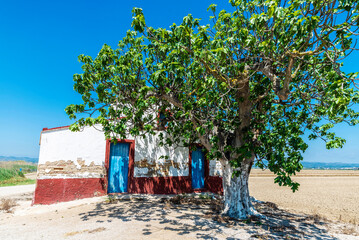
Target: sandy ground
[(154, 219), (151, 217), (16, 190)]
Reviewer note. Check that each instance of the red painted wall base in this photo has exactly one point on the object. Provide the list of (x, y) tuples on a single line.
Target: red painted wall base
[(160, 185), (50, 191), (214, 184), (172, 185)]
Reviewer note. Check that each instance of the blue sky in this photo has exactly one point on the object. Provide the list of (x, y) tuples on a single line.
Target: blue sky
[(39, 45)]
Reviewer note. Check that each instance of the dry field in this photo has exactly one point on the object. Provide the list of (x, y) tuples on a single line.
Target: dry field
[(332, 194)]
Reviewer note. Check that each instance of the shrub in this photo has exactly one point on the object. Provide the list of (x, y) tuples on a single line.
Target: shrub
[(7, 204)]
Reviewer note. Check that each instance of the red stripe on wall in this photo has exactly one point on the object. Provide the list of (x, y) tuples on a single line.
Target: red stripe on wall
[(172, 185), (160, 185), (55, 128), (50, 191), (214, 184)]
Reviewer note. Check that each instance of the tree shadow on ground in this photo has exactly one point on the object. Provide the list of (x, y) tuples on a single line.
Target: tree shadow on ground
[(202, 218)]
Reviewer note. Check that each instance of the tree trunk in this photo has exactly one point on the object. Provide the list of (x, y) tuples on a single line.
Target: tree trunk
[(237, 202)]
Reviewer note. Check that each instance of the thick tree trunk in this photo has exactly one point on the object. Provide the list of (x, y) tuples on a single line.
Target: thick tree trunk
[(237, 202)]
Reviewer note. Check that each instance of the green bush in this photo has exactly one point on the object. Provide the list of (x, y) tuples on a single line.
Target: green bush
[(8, 173), (25, 168)]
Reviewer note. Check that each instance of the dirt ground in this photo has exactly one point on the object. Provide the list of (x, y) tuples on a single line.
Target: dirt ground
[(30, 175), (186, 217), (333, 194)]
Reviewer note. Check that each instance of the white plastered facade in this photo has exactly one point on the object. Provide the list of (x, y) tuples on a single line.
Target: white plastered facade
[(67, 154)]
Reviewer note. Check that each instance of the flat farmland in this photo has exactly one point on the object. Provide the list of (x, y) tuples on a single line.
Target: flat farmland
[(332, 194)]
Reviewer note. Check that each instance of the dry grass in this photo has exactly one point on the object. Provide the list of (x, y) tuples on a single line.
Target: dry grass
[(7, 204), (100, 229), (316, 218), (350, 230), (17, 181), (69, 234)]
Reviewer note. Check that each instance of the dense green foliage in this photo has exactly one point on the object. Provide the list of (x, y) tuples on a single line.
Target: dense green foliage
[(8, 173), (246, 87)]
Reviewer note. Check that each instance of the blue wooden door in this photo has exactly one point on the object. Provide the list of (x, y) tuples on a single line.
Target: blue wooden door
[(118, 170), (197, 169)]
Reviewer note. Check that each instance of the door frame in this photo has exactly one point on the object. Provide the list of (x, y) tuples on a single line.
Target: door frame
[(131, 162), (206, 167)]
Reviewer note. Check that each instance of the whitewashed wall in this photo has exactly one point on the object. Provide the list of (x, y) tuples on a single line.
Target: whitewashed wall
[(63, 144), (72, 154), (66, 154)]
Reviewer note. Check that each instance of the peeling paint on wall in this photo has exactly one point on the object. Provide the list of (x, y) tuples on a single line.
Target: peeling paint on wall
[(70, 169), (149, 161), (153, 168), (215, 168)]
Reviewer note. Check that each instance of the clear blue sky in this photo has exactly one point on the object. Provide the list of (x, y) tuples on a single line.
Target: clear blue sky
[(39, 45)]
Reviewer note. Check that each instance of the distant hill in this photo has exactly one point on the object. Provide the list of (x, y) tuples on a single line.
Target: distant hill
[(26, 159), (306, 165), (335, 165), (324, 165)]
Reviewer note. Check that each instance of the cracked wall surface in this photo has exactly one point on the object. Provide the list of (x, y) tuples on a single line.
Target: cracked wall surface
[(154, 161), (70, 169), (151, 168)]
